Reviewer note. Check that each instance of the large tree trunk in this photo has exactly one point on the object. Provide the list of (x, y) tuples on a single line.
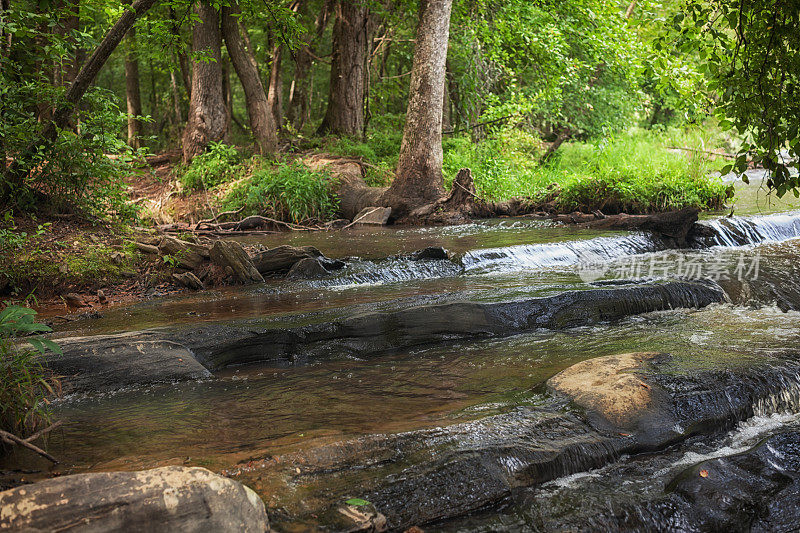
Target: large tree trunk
[(345, 115), (419, 169), (275, 91), (207, 113), (132, 91), (244, 62)]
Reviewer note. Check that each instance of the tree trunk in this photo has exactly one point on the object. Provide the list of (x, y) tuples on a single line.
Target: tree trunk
[(227, 97), (275, 91), (132, 91), (183, 61), (345, 114), (244, 62), (207, 114), (419, 169), (176, 97), (299, 111)]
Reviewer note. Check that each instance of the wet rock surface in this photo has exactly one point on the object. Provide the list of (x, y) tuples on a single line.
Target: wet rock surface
[(428, 476), (108, 362), (165, 499)]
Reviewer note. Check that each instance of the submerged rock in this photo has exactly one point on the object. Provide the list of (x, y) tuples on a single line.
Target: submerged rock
[(164, 499), (431, 252), (429, 476)]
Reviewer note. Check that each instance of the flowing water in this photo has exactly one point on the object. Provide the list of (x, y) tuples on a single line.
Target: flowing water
[(260, 410)]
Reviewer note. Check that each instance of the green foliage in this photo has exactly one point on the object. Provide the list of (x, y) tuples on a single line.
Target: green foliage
[(286, 192), (218, 164), (633, 173), (751, 57), (24, 382)]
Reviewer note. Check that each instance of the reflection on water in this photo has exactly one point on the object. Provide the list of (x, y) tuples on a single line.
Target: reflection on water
[(254, 411)]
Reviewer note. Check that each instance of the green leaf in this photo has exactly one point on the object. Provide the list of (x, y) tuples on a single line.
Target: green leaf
[(357, 502)]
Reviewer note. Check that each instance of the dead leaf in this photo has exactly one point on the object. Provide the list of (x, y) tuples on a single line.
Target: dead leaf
[(704, 473)]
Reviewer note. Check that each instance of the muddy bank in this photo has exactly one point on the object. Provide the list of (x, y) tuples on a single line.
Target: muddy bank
[(428, 476), (106, 362)]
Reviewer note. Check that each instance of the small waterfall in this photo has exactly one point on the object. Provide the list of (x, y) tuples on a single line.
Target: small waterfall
[(535, 256), (741, 231), (365, 273)]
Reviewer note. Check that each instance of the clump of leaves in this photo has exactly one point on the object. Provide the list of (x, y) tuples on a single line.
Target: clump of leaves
[(25, 383), (287, 192), (218, 164)]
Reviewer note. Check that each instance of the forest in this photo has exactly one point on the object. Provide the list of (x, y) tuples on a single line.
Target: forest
[(370, 265)]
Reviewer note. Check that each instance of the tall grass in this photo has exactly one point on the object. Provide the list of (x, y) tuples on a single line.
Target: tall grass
[(290, 192), (25, 383)]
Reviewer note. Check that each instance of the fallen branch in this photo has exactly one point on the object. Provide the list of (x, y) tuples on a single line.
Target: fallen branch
[(216, 218), (365, 215), (44, 431), (721, 154), (11, 439)]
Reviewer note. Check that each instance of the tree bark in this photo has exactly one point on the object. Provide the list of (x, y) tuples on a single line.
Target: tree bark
[(275, 91), (207, 113), (419, 170), (176, 97), (244, 62), (183, 61), (345, 114), (299, 110), (132, 91)]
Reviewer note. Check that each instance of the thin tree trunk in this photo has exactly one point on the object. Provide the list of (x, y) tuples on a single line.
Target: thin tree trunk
[(207, 114), (227, 97), (419, 170), (299, 110), (262, 121), (629, 11), (345, 114), (183, 61), (132, 91), (5, 47), (275, 91), (176, 97)]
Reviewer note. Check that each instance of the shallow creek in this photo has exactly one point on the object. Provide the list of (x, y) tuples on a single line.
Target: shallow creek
[(259, 411)]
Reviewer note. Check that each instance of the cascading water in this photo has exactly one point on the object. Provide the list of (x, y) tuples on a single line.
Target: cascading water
[(741, 231)]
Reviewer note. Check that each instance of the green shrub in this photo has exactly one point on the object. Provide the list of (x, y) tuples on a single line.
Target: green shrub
[(287, 192), (24, 382), (218, 164)]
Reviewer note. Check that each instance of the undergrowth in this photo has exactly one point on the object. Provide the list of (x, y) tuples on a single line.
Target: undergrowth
[(25, 384), (219, 163), (290, 192)]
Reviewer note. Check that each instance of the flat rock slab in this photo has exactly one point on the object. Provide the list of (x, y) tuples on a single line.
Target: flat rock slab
[(107, 362), (164, 499)]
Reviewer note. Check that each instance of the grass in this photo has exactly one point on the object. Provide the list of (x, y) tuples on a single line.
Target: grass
[(290, 192), (634, 172), (25, 384)]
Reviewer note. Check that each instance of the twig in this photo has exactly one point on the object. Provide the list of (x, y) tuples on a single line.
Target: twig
[(10, 438), (361, 217), (223, 214), (475, 126), (721, 154), (44, 431)]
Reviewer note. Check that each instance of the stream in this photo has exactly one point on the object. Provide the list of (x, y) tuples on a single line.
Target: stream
[(453, 387)]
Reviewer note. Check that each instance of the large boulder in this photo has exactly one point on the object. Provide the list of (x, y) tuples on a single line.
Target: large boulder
[(164, 499)]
